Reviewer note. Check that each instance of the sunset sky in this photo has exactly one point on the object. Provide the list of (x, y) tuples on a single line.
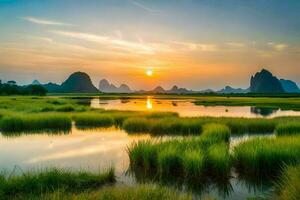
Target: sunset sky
[(196, 44)]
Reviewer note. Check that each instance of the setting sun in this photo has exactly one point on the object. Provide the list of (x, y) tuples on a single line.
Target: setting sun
[(149, 72)]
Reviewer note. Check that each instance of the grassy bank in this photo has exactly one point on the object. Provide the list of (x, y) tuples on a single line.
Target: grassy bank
[(288, 187), (53, 122), (51, 180), (291, 103), (288, 128), (185, 158), (139, 192), (188, 126), (265, 156), (156, 123)]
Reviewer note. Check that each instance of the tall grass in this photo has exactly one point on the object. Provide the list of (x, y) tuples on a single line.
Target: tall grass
[(288, 128), (139, 192), (189, 126), (216, 132), (92, 120), (288, 187), (248, 125), (188, 157), (168, 125), (265, 156), (174, 125), (219, 160), (36, 122), (137, 125), (51, 180)]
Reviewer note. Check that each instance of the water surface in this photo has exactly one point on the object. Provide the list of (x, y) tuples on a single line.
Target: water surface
[(186, 108), (94, 150)]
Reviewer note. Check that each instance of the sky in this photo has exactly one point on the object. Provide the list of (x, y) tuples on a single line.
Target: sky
[(196, 44)]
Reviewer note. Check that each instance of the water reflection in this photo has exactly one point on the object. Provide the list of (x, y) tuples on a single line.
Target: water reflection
[(101, 148), (92, 150), (264, 111), (228, 188), (149, 104), (186, 108)]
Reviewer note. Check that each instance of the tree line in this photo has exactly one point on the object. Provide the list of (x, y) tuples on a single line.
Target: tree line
[(11, 88)]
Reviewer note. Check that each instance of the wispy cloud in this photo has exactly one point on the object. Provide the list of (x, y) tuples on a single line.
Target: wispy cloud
[(44, 21), (142, 6), (117, 43), (235, 44), (189, 46), (46, 39), (278, 46)]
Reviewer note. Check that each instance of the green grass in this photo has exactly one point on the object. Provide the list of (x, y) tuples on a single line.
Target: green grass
[(265, 157), (139, 192), (51, 180), (288, 187), (216, 132), (187, 157), (219, 160), (194, 126), (283, 103), (137, 125), (93, 120), (156, 123), (53, 122), (163, 126), (288, 128)]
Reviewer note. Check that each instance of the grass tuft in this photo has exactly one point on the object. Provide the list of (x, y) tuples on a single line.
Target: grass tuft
[(35, 122), (288, 128), (51, 180), (288, 187), (265, 156), (93, 120)]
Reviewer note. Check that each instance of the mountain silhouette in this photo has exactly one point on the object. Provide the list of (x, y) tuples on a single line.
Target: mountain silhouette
[(289, 86), (230, 90), (265, 82), (35, 82), (105, 86), (78, 82), (52, 87), (159, 90)]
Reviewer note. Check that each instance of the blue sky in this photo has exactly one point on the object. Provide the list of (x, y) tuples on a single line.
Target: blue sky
[(200, 41)]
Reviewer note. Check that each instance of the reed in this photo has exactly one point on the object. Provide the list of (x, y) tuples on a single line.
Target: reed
[(187, 157), (265, 156), (51, 180), (35, 122), (218, 161), (93, 120), (137, 125), (288, 128), (216, 132), (139, 192), (288, 188)]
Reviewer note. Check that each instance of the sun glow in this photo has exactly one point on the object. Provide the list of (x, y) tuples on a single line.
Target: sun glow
[(149, 72), (149, 103)]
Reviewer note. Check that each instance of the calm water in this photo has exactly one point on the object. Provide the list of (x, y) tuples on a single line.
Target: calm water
[(90, 150), (187, 108)]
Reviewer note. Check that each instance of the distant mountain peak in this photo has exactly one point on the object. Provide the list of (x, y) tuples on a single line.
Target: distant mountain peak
[(79, 82), (35, 82), (106, 86), (230, 90), (265, 82)]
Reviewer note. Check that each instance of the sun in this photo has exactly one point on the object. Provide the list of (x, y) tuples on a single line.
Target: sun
[(149, 72)]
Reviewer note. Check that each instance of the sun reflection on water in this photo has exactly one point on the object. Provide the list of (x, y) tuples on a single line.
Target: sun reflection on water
[(149, 103)]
